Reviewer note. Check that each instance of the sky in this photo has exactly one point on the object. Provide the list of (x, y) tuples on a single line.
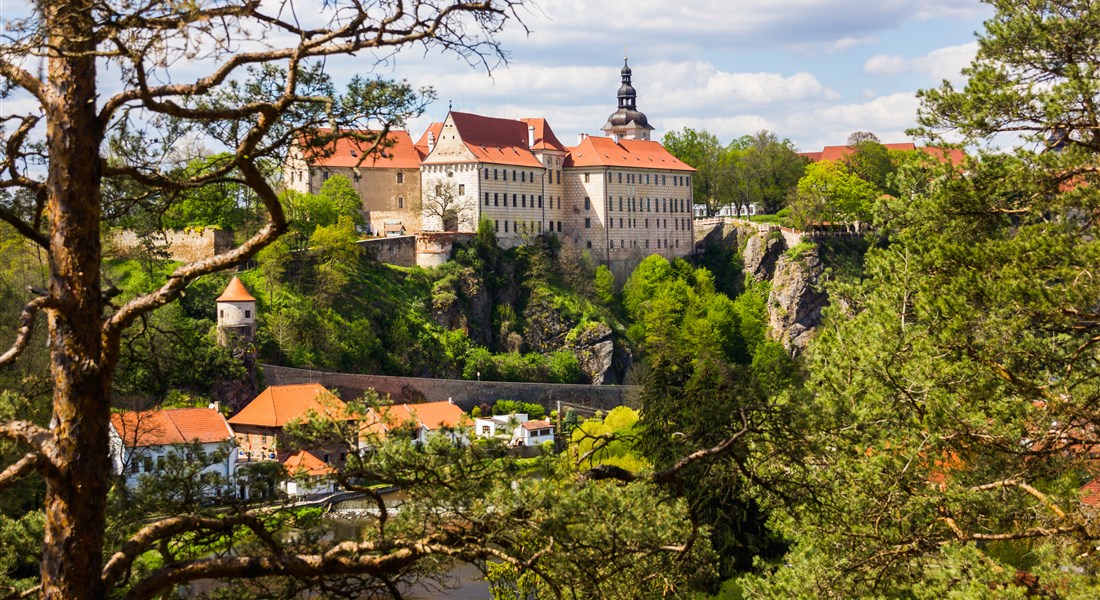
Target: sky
[(812, 71)]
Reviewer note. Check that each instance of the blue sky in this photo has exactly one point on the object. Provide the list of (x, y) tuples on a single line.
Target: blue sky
[(810, 70)]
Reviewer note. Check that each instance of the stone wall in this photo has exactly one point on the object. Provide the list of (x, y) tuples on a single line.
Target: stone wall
[(434, 249), (400, 251), (183, 246), (466, 394)]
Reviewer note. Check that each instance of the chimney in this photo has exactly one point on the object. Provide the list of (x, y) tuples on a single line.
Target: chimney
[(581, 137), (450, 399), (431, 141), (530, 136)]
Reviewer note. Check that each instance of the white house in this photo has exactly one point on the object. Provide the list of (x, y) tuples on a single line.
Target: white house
[(426, 419), (517, 428), (309, 475), (140, 442)]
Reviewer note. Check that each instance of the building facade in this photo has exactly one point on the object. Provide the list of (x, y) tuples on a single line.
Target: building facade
[(388, 179), (620, 197)]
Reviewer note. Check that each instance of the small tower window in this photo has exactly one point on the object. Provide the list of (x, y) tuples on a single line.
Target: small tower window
[(247, 314), (221, 314), (400, 177)]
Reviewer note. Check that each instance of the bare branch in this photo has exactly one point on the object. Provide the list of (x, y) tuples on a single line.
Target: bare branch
[(37, 438), (19, 468), (22, 78), (1041, 497), (348, 558), (120, 562), (26, 328)]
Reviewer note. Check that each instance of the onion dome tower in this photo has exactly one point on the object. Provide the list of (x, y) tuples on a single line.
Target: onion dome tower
[(236, 315), (627, 122)]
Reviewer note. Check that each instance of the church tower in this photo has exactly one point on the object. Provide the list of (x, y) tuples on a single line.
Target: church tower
[(627, 122), (236, 315)]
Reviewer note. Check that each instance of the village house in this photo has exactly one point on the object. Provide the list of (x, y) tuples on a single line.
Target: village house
[(517, 429), (308, 475), (258, 426), (141, 441), (424, 420)]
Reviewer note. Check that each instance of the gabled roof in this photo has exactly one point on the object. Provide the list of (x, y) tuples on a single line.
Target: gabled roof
[(493, 140), (429, 415), (954, 155), (397, 152), (170, 426), (303, 462), (279, 404), (544, 136), (533, 425), (235, 292), (596, 151), (422, 144)]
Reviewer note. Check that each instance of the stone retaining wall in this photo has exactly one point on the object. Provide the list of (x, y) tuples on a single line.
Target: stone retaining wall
[(466, 394)]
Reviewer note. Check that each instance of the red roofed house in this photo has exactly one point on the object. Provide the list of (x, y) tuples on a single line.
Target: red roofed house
[(388, 179), (954, 155), (140, 441), (517, 428), (259, 425), (425, 419), (309, 475)]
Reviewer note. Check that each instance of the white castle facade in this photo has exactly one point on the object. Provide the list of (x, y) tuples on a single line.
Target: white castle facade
[(621, 197)]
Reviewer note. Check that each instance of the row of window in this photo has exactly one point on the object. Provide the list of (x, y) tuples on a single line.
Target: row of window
[(650, 204), (645, 179), (522, 200), (677, 224), (634, 244), (523, 176), (526, 226)]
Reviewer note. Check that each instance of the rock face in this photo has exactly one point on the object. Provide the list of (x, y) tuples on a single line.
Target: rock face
[(761, 253), (546, 327), (796, 300), (595, 350)]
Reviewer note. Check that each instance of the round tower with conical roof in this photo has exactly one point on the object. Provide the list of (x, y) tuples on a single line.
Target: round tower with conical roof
[(627, 122), (236, 315)]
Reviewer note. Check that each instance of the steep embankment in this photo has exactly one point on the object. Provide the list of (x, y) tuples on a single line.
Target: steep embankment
[(796, 273)]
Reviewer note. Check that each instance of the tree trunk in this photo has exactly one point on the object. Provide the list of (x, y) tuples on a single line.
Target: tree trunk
[(76, 492)]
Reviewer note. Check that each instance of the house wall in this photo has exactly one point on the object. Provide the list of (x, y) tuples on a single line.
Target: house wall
[(135, 463)]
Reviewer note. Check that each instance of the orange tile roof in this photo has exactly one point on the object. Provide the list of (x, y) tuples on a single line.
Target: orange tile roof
[(430, 415), (170, 426), (235, 292), (304, 462), (422, 144), (279, 404), (596, 151), (954, 155), (544, 136), (397, 153), (532, 425)]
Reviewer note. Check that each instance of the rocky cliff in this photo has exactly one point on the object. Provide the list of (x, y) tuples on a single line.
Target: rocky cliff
[(796, 298)]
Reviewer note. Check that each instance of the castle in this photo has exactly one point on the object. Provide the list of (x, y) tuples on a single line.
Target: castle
[(620, 197)]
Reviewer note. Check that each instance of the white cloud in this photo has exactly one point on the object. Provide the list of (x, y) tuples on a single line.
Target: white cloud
[(887, 116), (942, 63), (699, 85), (848, 42)]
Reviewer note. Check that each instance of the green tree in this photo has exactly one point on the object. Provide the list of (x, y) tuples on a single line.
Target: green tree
[(830, 193), (873, 163), (703, 151), (955, 386), (768, 169), (104, 117)]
